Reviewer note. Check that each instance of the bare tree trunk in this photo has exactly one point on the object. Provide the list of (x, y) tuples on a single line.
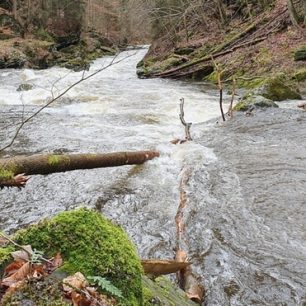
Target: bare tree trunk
[(15, 9), (222, 12), (292, 12), (10, 168), (304, 7)]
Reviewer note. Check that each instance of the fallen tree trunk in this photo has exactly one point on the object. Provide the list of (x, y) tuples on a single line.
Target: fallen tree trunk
[(12, 169)]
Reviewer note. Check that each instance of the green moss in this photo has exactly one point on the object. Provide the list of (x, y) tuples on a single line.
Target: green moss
[(253, 101), (249, 83), (275, 89), (5, 255), (213, 77), (300, 75), (54, 160), (42, 34), (76, 64), (169, 63), (241, 106), (264, 57), (94, 55), (91, 245), (162, 292), (46, 292), (6, 174), (300, 54)]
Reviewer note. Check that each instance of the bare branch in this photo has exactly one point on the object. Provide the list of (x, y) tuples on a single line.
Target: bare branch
[(187, 125), (230, 109), (53, 99)]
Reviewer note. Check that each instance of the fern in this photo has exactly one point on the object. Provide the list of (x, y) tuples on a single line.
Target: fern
[(105, 286), (36, 257)]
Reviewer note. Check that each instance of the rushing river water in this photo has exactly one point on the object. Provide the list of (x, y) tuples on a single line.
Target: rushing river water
[(245, 218)]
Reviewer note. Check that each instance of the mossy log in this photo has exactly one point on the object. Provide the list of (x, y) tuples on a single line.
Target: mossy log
[(10, 168)]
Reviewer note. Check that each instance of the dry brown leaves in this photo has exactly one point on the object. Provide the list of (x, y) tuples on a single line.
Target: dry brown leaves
[(75, 287), (78, 290), (17, 273)]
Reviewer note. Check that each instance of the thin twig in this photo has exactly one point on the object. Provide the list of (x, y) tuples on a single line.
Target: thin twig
[(113, 62), (230, 109), (85, 293), (219, 75), (23, 248)]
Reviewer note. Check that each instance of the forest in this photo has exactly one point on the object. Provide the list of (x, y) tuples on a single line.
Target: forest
[(151, 152)]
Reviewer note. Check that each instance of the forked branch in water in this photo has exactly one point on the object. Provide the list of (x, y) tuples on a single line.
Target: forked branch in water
[(187, 125)]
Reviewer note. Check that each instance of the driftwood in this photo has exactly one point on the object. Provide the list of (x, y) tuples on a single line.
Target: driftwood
[(13, 171), (186, 278), (157, 267)]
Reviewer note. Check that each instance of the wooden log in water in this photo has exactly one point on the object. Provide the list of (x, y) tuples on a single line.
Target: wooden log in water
[(14, 171)]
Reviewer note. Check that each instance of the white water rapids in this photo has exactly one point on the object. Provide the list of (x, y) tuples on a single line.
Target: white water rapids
[(245, 230)]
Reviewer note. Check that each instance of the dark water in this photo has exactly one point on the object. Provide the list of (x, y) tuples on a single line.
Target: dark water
[(245, 218)]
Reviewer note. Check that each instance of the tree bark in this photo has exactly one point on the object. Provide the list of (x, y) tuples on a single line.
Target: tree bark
[(292, 12), (10, 168), (15, 9), (304, 7)]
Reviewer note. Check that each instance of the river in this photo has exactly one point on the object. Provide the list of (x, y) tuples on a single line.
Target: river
[(245, 218)]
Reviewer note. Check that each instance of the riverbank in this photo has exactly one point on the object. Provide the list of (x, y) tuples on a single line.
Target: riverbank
[(254, 51), (72, 53), (41, 49)]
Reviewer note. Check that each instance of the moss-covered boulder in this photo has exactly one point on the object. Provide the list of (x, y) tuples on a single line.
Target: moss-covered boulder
[(162, 292), (25, 87), (12, 58), (184, 50), (300, 54), (300, 75), (76, 64), (250, 101), (89, 244), (276, 90)]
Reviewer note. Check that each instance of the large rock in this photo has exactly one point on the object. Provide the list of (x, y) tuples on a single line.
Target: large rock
[(12, 58), (25, 87), (300, 75), (89, 244), (250, 102), (275, 90), (300, 54)]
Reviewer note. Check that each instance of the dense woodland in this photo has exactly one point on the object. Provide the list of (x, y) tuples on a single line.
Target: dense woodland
[(178, 31)]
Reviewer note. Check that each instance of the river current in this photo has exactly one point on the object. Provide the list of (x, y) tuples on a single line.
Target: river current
[(245, 218)]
